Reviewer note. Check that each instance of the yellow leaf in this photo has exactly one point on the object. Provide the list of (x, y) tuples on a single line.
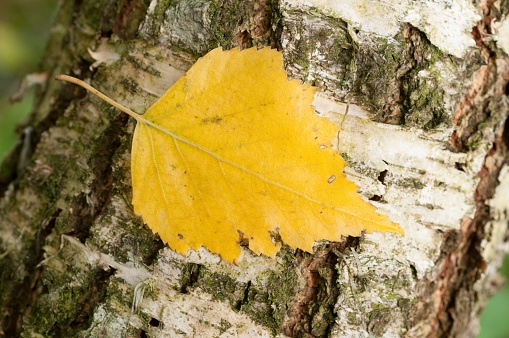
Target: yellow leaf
[(234, 150)]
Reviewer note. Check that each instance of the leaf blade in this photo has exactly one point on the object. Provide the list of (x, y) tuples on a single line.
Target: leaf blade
[(260, 164)]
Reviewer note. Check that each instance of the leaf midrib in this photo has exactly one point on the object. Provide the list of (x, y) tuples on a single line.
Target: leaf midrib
[(220, 159)]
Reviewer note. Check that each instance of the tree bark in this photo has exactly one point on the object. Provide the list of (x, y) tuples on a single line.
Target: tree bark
[(421, 104)]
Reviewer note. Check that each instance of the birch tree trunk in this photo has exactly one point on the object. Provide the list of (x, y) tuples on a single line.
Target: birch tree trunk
[(426, 135)]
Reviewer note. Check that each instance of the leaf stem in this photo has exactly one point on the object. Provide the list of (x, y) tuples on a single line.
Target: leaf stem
[(97, 93)]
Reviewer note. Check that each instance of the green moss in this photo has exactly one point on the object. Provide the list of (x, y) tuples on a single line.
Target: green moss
[(52, 186), (486, 116), (118, 290), (330, 37), (87, 23), (422, 96), (371, 74), (221, 286), (425, 103), (281, 286), (384, 287), (157, 17), (258, 306), (352, 319), (379, 318), (347, 159), (90, 15), (188, 276), (474, 141), (323, 319), (224, 16), (376, 64), (266, 307), (63, 309), (407, 310)]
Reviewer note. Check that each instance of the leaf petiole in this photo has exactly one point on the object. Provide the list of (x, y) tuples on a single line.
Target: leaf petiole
[(97, 93)]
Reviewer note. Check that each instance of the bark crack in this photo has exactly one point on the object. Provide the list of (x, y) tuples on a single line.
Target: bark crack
[(312, 313), (28, 290), (407, 101), (461, 263), (190, 274)]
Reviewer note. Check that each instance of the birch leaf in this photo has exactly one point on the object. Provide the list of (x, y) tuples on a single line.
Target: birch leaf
[(235, 151)]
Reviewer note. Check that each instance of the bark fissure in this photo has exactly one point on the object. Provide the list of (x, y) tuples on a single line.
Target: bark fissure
[(243, 24), (93, 295), (88, 206), (408, 101), (130, 15), (486, 100), (312, 312), (461, 262), (189, 277), (20, 302)]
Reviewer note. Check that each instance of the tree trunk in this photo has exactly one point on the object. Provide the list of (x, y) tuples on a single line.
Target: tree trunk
[(426, 133)]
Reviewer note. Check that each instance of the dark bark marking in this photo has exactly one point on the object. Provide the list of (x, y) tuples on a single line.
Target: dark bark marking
[(312, 313), (381, 176), (189, 277), (129, 18), (154, 322), (244, 300), (487, 98), (20, 301), (86, 208), (244, 24), (381, 179), (399, 107), (461, 264)]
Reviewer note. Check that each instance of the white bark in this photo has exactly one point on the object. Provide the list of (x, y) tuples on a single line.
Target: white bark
[(423, 190)]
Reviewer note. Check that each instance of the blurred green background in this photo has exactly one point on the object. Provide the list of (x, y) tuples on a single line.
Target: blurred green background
[(24, 29)]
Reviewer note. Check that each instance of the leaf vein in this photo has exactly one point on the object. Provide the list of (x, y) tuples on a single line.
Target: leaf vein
[(219, 158), (231, 187), (225, 85), (157, 167), (190, 175)]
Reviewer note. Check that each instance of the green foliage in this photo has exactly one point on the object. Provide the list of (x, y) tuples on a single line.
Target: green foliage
[(494, 317)]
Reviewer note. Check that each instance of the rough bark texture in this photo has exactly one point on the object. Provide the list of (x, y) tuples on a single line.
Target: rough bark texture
[(426, 137)]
